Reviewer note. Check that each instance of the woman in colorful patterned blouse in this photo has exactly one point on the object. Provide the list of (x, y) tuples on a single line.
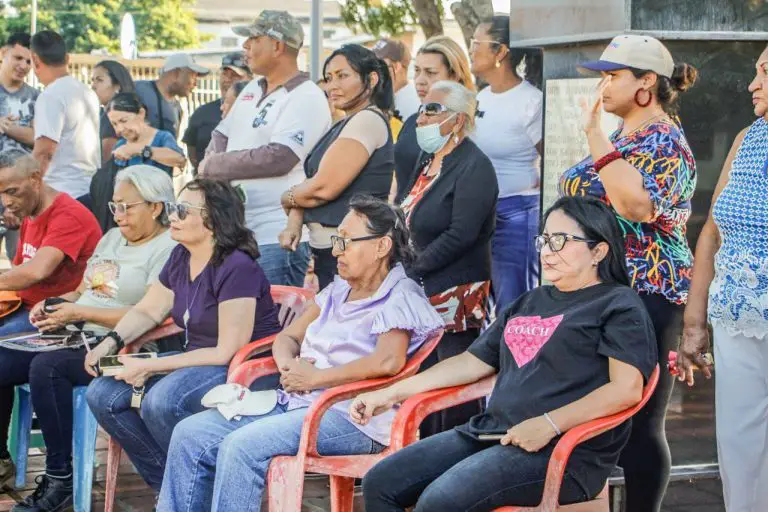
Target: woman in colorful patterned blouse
[(731, 273), (451, 212), (646, 172)]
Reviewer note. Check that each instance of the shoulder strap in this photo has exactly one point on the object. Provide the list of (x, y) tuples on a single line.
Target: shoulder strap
[(159, 105)]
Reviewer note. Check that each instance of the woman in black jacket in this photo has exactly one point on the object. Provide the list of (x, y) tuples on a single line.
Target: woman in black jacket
[(451, 212)]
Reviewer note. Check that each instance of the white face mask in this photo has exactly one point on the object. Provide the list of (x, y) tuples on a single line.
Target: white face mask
[(429, 138)]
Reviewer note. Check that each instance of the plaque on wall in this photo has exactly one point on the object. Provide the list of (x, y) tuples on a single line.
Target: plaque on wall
[(565, 142)]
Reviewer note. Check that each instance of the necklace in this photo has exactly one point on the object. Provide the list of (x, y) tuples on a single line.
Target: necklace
[(189, 305), (645, 123)]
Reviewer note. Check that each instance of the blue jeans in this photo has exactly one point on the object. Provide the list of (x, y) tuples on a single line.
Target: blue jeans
[(515, 263), (168, 399), (453, 472), (284, 267), (220, 465), (16, 322)]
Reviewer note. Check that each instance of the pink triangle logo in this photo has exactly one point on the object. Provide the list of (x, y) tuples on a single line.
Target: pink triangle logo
[(525, 335)]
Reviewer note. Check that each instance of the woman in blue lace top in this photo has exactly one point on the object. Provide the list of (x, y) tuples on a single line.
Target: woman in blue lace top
[(731, 277)]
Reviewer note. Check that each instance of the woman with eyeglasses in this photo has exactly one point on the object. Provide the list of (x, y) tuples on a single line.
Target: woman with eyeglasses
[(440, 58), (364, 325), (729, 289), (213, 287), (451, 213), (563, 354), (124, 264), (356, 155), (508, 129), (646, 172)]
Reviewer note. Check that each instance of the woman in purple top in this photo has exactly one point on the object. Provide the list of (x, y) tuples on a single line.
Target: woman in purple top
[(211, 286), (363, 325)]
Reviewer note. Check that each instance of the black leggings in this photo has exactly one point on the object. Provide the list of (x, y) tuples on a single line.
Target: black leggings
[(452, 344), (646, 459), (325, 266)]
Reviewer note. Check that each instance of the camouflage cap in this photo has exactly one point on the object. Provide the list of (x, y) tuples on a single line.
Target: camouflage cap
[(279, 25)]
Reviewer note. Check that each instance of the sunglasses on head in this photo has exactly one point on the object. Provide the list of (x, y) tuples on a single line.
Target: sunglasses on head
[(181, 210), (433, 109)]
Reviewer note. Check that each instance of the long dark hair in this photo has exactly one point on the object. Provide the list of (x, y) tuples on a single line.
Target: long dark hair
[(118, 74), (598, 223), (225, 217), (386, 220), (498, 30), (668, 89), (364, 62)]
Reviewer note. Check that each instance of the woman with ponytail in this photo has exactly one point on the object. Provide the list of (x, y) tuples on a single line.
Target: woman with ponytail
[(646, 172), (355, 156), (508, 130)]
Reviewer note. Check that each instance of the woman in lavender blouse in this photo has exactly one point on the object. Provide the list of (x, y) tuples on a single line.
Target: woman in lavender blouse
[(363, 325)]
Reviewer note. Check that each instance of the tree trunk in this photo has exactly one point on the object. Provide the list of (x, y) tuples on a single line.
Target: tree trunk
[(429, 17), (469, 14)]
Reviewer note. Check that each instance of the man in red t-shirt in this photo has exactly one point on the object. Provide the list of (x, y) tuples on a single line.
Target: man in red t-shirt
[(57, 236)]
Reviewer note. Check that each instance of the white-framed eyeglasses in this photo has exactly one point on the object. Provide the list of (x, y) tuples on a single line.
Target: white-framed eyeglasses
[(122, 208)]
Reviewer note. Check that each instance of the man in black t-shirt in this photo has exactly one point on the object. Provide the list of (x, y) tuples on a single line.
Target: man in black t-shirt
[(207, 117)]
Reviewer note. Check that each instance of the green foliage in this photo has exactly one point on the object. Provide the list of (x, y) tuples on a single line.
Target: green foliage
[(377, 18), (95, 24)]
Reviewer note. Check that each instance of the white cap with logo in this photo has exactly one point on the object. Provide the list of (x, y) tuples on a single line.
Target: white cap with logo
[(634, 51), (181, 61)]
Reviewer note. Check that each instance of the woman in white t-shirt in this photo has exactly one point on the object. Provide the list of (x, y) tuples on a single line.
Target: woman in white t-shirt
[(508, 129)]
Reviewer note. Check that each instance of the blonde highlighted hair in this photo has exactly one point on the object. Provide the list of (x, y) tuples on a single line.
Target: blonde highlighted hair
[(454, 59)]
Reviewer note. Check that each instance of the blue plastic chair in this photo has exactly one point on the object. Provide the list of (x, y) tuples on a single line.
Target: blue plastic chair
[(83, 443)]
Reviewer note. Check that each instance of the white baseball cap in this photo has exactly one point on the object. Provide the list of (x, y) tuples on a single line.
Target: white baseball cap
[(234, 400), (634, 51), (181, 61)]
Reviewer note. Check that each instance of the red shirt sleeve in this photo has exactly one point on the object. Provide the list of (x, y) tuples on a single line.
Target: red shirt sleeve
[(67, 233)]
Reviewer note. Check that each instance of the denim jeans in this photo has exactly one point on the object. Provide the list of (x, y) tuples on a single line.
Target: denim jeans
[(453, 472), (168, 399), (284, 267), (220, 465), (515, 263), (16, 322)]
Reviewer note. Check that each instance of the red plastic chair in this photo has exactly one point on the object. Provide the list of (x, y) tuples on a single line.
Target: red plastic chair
[(286, 474), (292, 302)]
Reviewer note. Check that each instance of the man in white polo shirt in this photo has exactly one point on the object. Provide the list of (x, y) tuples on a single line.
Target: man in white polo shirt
[(262, 143)]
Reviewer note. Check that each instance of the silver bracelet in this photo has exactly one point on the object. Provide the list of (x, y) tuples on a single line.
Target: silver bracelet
[(554, 425)]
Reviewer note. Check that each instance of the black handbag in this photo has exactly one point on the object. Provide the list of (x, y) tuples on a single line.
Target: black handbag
[(102, 188)]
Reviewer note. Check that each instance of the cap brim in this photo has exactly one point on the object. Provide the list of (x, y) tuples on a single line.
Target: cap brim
[(601, 65), (238, 70), (200, 70), (245, 31)]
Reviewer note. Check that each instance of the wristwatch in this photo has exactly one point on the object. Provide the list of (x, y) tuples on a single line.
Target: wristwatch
[(118, 339), (146, 153)]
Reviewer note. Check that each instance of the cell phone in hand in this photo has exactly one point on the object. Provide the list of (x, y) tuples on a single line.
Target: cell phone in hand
[(112, 365), (490, 437)]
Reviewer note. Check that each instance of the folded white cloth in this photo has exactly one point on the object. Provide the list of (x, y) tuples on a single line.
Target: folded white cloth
[(235, 400)]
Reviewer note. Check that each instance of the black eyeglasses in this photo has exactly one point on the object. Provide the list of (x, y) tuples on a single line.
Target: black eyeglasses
[(556, 241), (339, 243), (181, 210), (433, 109), (121, 208)]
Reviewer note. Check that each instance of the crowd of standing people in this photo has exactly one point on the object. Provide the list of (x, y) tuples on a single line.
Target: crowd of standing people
[(417, 205)]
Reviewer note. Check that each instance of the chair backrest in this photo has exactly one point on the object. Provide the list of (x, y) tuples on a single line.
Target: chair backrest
[(292, 302)]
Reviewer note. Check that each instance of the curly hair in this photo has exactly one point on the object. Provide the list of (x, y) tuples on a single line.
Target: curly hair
[(225, 217)]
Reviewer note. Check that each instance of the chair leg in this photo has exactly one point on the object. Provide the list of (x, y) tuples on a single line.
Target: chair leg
[(286, 484), (23, 428), (84, 450), (113, 466), (342, 493)]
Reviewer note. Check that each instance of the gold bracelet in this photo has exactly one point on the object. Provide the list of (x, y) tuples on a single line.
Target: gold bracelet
[(292, 197)]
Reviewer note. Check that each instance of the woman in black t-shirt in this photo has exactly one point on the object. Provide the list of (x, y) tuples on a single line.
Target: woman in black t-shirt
[(564, 354)]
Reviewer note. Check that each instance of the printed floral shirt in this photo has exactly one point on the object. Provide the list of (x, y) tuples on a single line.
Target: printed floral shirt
[(659, 259)]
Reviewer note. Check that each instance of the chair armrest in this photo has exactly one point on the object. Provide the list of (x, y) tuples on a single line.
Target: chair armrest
[(167, 328), (412, 411), (251, 370), (248, 351), (308, 443)]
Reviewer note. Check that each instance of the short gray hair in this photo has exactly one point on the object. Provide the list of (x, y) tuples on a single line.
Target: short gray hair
[(458, 99), (20, 160), (153, 184)]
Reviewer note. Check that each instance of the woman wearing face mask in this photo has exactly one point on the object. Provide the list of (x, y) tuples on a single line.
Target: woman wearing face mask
[(451, 212), (441, 58), (355, 156), (730, 288), (646, 172), (509, 129), (109, 78)]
